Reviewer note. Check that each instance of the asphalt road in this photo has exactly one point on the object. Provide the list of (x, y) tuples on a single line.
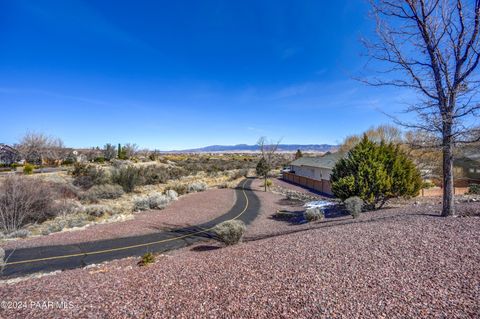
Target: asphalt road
[(49, 258)]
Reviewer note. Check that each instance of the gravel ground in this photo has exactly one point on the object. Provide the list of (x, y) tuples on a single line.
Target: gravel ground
[(190, 209), (395, 263)]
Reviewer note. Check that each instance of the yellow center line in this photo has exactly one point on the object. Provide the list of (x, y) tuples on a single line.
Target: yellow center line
[(97, 252)]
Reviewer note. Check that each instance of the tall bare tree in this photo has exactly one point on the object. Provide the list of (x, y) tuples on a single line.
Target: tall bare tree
[(433, 48), (268, 150)]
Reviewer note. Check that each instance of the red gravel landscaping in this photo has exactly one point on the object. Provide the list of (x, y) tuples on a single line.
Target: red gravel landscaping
[(190, 209), (395, 263)]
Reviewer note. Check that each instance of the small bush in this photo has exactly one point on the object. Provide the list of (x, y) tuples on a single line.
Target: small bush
[(147, 259), (105, 191), (268, 183), (96, 210), (69, 206), (180, 189), (28, 169), (427, 184), (223, 185), (239, 173), (54, 227), (196, 187), (66, 190), (141, 203), (126, 176), (21, 233), (474, 189), (86, 176), (99, 160), (171, 194), (158, 201), (354, 206), (313, 214), (230, 232)]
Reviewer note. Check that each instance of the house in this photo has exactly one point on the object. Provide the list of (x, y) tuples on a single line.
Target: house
[(466, 169), (313, 172), (8, 155)]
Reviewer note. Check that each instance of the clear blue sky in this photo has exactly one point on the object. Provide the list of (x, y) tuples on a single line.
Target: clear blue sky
[(181, 74)]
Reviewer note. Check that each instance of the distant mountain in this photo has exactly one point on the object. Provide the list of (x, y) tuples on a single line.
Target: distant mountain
[(254, 148)]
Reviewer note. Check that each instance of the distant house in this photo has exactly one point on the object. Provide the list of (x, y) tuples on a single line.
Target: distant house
[(8, 155), (466, 169), (313, 172)]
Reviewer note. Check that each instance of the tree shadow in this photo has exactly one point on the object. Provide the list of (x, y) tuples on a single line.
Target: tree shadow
[(290, 202), (202, 248), (290, 217)]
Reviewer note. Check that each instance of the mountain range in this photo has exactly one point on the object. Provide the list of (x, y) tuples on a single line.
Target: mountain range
[(255, 148)]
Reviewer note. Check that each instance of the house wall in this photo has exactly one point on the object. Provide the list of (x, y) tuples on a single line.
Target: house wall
[(312, 172)]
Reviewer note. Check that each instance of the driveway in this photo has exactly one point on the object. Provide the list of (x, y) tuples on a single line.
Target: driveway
[(49, 258)]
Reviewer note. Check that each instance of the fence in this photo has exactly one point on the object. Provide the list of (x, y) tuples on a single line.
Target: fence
[(322, 186), (325, 186), (438, 191)]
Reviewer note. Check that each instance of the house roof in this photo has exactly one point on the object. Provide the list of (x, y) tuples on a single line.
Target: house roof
[(326, 161), (6, 148)]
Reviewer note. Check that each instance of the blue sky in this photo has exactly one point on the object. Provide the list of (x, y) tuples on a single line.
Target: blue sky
[(181, 74)]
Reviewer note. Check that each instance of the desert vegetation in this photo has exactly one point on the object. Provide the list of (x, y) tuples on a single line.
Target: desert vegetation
[(104, 184), (230, 232)]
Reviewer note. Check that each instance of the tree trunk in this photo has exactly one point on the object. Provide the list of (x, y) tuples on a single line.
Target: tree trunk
[(265, 182), (448, 194)]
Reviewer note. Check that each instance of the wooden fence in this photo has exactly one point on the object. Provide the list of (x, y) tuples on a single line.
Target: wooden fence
[(322, 186), (438, 191)]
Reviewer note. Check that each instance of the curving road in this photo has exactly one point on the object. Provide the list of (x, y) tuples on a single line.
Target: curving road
[(49, 258)]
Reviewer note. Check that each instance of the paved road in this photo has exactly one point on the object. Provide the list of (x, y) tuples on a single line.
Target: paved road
[(50, 258)]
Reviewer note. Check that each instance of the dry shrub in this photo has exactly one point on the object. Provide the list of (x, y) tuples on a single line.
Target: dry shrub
[(230, 232), (314, 214), (180, 189), (105, 191), (354, 206), (24, 200), (196, 187)]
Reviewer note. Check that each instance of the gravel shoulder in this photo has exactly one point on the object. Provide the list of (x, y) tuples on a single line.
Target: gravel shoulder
[(188, 210), (404, 262)]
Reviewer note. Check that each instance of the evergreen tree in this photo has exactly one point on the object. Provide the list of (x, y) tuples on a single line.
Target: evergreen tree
[(298, 154), (375, 173), (262, 170)]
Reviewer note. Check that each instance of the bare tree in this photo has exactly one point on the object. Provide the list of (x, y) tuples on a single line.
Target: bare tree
[(268, 150), (130, 150), (109, 151), (24, 200), (39, 148), (433, 48), (386, 133)]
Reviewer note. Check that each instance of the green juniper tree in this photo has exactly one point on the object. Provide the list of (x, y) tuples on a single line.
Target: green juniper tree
[(375, 173), (262, 170), (298, 154)]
